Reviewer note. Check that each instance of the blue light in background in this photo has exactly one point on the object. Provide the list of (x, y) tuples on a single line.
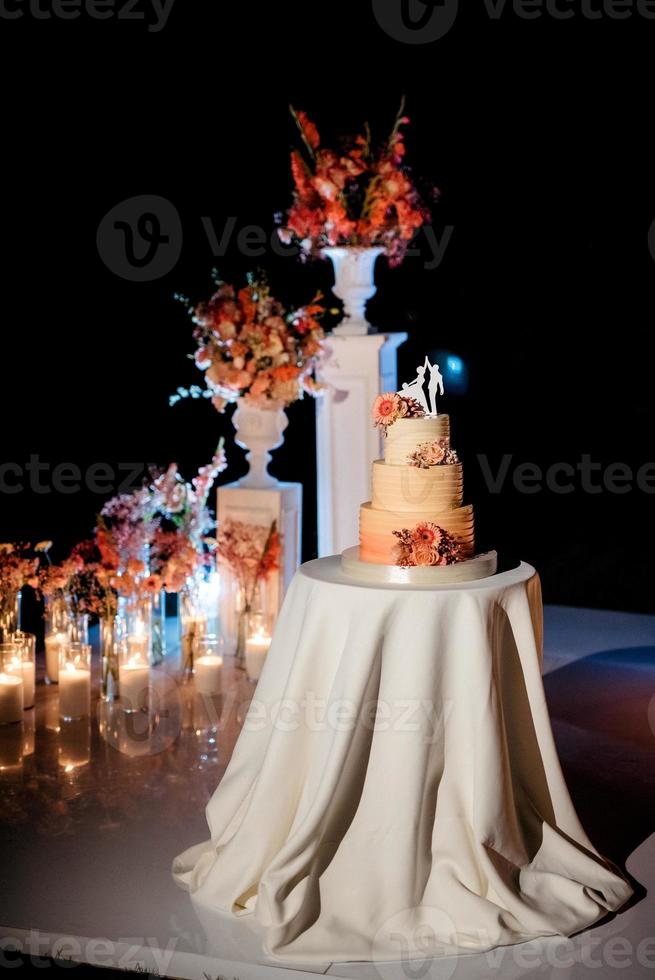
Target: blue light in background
[(454, 369)]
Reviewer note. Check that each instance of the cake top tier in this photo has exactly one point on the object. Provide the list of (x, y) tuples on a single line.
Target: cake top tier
[(406, 435)]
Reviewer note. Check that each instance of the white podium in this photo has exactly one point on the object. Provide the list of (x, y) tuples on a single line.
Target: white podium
[(357, 370)]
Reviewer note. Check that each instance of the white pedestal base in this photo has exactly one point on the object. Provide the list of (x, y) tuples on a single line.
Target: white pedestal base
[(282, 503), (357, 370)]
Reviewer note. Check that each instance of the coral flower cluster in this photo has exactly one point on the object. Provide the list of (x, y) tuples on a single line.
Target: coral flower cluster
[(425, 544), (250, 347), (357, 194)]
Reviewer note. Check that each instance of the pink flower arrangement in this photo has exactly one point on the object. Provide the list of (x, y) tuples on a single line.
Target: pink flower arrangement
[(390, 407), (425, 544), (174, 559), (251, 551), (185, 504), (129, 520), (436, 453), (357, 194), (18, 567), (250, 347)]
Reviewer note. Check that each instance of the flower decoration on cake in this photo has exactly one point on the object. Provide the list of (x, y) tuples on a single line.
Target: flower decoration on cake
[(251, 347), (356, 194), (435, 453), (425, 544), (390, 407)]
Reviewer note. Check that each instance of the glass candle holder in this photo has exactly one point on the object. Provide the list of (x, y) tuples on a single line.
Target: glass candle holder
[(74, 681), (134, 673), (259, 634), (193, 626), (54, 643), (11, 685), (208, 664), (26, 651)]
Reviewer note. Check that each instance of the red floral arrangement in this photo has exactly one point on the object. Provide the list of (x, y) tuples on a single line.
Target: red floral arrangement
[(357, 195), (426, 544), (249, 346)]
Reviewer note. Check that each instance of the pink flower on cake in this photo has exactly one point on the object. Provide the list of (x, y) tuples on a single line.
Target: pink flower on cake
[(427, 534), (424, 554), (390, 407), (436, 453), (425, 544), (386, 409)]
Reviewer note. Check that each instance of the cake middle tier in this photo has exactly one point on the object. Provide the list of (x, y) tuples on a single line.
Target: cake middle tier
[(410, 488), (406, 435), (377, 542)]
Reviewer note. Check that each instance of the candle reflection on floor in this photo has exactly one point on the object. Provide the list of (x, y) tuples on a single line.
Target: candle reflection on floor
[(74, 746), (29, 731), (11, 750), (52, 713), (148, 731)]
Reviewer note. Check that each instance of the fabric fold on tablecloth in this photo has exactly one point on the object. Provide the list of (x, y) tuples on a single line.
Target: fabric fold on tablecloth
[(396, 779)]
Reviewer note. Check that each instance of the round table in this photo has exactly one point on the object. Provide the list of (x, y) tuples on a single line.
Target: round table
[(395, 791)]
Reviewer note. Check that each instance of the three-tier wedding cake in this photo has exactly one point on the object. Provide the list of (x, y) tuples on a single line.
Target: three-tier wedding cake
[(417, 517)]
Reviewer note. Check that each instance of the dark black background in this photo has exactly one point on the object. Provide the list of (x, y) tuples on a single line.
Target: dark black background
[(539, 134)]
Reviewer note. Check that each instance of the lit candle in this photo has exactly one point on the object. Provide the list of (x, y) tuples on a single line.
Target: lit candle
[(208, 673), (23, 661), (74, 691), (256, 649), (133, 680), (11, 698), (25, 667), (53, 644)]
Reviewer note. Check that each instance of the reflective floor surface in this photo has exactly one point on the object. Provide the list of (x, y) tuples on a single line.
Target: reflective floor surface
[(93, 812)]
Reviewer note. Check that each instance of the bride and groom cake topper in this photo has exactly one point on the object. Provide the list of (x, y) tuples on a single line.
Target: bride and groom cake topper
[(416, 388)]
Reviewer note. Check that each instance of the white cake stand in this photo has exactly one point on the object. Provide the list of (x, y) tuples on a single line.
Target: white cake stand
[(481, 566)]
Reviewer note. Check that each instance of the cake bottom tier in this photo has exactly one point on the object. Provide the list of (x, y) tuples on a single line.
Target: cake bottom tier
[(378, 543)]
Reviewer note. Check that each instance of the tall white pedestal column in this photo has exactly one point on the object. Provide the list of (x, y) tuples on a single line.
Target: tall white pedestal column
[(358, 369)]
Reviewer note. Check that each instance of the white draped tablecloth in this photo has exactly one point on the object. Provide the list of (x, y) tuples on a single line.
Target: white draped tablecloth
[(395, 790)]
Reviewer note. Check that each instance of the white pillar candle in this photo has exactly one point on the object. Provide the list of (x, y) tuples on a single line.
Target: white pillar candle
[(133, 680), (256, 650), (74, 691), (208, 673), (29, 683), (26, 668), (11, 698), (53, 644)]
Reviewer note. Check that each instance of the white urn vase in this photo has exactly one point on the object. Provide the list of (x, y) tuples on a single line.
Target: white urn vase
[(354, 284), (260, 431)]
